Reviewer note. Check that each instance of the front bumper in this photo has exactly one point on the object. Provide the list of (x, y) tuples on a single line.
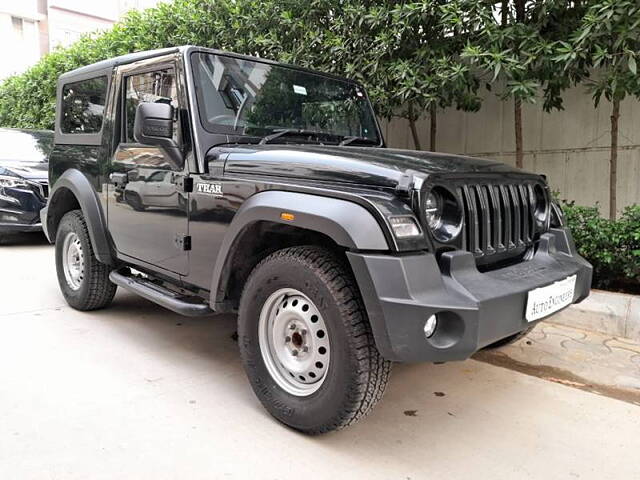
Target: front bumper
[(475, 309), (20, 209), (20, 227)]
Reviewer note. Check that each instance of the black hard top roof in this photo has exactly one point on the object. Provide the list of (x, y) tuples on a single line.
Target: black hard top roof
[(110, 63), (115, 61)]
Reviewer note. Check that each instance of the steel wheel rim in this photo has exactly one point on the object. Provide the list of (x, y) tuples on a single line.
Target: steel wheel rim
[(73, 261), (294, 342)]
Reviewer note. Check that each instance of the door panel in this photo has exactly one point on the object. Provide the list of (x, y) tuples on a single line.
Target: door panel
[(147, 209)]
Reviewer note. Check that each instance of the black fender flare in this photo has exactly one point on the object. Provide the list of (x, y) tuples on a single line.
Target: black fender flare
[(74, 181), (349, 224)]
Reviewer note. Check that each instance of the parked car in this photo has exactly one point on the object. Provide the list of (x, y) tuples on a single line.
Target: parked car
[(339, 255), (24, 184)]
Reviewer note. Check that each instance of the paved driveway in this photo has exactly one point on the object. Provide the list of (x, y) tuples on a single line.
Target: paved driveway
[(138, 392)]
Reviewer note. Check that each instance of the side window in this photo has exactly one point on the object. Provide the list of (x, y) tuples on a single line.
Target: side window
[(154, 87), (158, 176), (83, 106)]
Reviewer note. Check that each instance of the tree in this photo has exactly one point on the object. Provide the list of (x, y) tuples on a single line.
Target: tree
[(407, 57), (506, 51), (401, 51), (516, 50), (602, 53), (424, 65)]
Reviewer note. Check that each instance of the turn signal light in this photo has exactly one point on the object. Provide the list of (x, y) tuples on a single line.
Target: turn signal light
[(289, 217)]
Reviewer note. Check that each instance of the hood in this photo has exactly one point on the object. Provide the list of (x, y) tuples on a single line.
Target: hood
[(37, 171), (382, 167)]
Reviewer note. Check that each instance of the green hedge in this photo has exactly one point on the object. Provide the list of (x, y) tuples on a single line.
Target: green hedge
[(278, 29), (612, 246)]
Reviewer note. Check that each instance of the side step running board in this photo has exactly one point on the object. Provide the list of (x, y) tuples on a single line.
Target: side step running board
[(160, 295)]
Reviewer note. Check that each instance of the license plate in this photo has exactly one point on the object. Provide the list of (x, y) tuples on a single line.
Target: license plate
[(547, 300)]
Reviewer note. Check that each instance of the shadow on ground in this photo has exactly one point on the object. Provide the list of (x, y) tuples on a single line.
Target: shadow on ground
[(425, 398), (23, 239)]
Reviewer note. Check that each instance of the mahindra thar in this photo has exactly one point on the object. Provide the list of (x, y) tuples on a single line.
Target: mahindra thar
[(211, 182)]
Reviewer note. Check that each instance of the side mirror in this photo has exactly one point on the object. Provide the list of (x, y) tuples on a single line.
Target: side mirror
[(153, 125)]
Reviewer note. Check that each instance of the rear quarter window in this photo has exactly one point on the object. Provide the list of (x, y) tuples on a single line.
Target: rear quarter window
[(83, 105)]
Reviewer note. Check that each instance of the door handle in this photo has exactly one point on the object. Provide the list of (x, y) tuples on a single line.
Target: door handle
[(119, 179)]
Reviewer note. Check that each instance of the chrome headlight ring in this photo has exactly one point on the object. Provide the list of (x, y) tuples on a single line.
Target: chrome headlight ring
[(442, 213)]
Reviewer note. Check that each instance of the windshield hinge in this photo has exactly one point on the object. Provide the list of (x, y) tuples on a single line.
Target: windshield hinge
[(184, 183), (183, 242), (405, 185)]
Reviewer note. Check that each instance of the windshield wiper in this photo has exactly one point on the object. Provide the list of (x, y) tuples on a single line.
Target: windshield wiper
[(293, 132), (350, 140)]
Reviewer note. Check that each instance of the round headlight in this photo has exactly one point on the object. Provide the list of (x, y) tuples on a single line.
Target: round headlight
[(433, 210), (541, 204), (443, 214)]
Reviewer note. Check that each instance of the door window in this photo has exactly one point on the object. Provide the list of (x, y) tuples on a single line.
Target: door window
[(154, 87)]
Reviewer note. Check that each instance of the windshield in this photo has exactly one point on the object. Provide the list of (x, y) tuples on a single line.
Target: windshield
[(242, 97)]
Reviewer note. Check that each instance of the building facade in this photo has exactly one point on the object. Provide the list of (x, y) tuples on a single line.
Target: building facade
[(35, 27)]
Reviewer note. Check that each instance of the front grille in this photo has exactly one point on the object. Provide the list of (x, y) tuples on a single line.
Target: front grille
[(498, 218)]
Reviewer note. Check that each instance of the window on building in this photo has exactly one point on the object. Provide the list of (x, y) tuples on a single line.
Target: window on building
[(83, 106), (18, 26)]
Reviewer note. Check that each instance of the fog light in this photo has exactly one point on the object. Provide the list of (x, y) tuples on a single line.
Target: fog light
[(430, 326)]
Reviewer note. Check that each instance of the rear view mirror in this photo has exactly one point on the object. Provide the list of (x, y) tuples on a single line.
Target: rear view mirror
[(153, 125)]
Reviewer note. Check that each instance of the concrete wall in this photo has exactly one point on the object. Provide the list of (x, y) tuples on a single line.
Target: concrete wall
[(571, 147)]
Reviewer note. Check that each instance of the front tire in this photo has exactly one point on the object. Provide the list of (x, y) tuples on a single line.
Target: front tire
[(306, 343), (134, 200), (84, 281)]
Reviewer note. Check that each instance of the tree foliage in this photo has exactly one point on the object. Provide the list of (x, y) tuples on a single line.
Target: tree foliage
[(515, 50), (403, 52), (602, 52)]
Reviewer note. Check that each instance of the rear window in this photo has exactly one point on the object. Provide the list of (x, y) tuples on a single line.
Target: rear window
[(83, 106)]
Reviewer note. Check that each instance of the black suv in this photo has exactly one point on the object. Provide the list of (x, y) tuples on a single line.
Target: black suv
[(23, 178), (208, 182)]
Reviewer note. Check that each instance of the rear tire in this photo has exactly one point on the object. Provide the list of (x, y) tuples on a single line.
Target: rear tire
[(84, 281), (309, 292)]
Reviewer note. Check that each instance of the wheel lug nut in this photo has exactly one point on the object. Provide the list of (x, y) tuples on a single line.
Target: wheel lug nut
[(305, 349), (292, 326), (303, 332), (287, 339), (294, 353)]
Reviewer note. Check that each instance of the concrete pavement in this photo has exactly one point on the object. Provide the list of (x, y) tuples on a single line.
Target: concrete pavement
[(137, 392), (583, 359)]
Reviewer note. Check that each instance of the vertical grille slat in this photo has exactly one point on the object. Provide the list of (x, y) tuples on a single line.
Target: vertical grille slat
[(522, 192), (472, 221), (498, 217), (506, 205), (498, 240), (517, 215), (532, 207), (485, 220), (465, 219)]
